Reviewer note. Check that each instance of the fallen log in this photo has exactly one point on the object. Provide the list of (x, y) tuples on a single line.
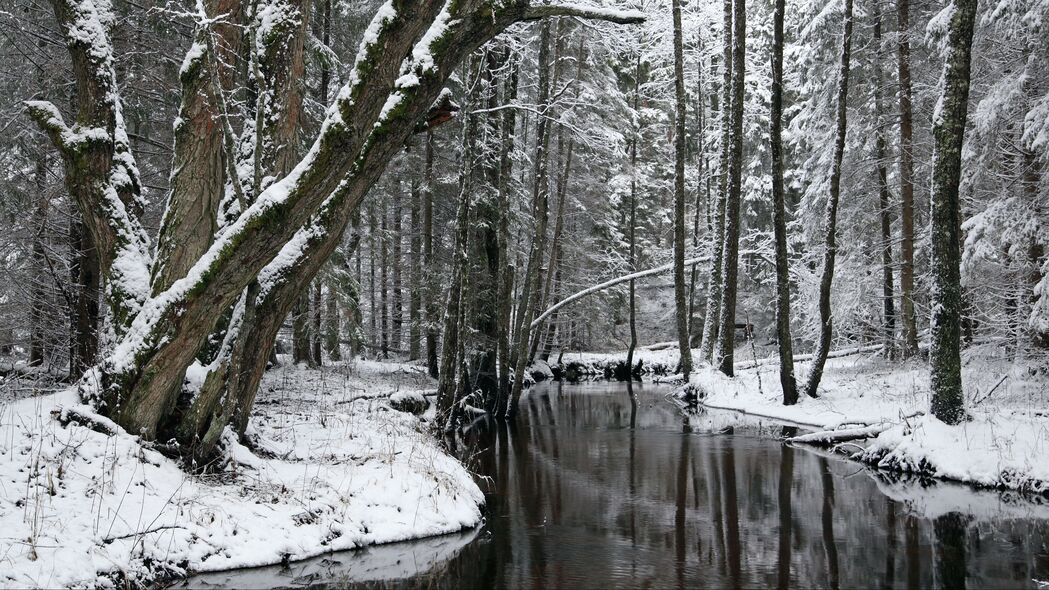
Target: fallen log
[(833, 437)]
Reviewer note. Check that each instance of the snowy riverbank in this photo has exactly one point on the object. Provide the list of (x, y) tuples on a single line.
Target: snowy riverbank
[(1003, 446), (341, 470)]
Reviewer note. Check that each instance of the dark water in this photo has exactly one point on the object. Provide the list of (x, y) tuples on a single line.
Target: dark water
[(591, 490)]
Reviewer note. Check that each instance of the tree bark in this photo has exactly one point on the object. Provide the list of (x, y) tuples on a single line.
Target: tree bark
[(910, 326), (428, 258), (632, 218), (448, 386), (680, 289), (332, 325), (884, 211), (396, 292), (86, 276), (779, 220), (830, 244), (948, 134), (316, 324), (712, 315), (730, 254), (415, 281), (506, 268), (540, 196)]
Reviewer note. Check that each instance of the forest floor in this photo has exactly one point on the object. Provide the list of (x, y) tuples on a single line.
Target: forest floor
[(1004, 445), (335, 467)]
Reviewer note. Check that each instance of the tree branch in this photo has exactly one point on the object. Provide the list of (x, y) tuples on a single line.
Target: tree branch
[(623, 17)]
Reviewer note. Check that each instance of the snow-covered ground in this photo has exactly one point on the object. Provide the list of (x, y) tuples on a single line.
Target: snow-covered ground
[(1004, 445), (342, 469)]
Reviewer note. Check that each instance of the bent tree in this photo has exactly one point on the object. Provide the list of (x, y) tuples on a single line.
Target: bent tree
[(273, 217)]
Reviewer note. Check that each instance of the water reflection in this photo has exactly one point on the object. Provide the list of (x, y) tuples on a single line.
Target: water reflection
[(608, 486)]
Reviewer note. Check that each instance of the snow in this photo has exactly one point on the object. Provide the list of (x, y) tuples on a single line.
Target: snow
[(195, 52), (1000, 447), (422, 55), (340, 470)]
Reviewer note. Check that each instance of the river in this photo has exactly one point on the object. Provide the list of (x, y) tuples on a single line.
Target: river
[(597, 488)]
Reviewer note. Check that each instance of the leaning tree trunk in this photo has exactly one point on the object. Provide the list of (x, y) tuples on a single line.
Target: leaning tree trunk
[(830, 246), (786, 352), (680, 290), (730, 254), (712, 314), (948, 135), (161, 334), (910, 325)]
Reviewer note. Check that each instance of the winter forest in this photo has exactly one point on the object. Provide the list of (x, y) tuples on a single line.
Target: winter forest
[(524, 293)]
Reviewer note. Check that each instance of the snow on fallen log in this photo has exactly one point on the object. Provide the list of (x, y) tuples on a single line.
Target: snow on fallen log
[(831, 437)]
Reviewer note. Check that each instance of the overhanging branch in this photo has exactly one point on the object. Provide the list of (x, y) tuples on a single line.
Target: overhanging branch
[(623, 17)]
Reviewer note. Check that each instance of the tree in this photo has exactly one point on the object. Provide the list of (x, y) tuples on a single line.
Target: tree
[(910, 326), (884, 196), (540, 197), (272, 242), (948, 134), (680, 301), (830, 244), (786, 353), (730, 249), (717, 237)]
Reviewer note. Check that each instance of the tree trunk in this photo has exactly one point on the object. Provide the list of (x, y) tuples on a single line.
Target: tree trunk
[(316, 324), (301, 331), (830, 246), (38, 340), (86, 277), (484, 356), (680, 289), (415, 281), (384, 285), (556, 249), (632, 221), (948, 135), (448, 387), (332, 325), (396, 293), (540, 196), (428, 259), (712, 315), (506, 268), (884, 211), (730, 255), (786, 348), (910, 326)]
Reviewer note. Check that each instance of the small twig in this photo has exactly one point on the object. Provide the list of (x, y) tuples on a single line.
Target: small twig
[(108, 540)]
